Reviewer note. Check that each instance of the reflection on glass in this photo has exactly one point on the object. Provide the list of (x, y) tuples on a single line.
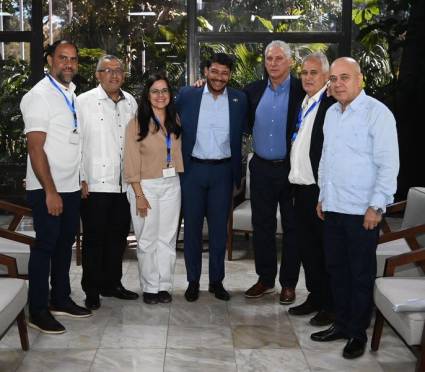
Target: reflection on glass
[(15, 15), (269, 15), (146, 36), (15, 51)]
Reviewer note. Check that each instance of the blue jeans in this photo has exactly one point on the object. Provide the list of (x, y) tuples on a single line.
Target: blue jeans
[(52, 251)]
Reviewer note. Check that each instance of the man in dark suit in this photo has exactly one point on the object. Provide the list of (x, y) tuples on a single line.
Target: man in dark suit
[(273, 104), (212, 119), (306, 150)]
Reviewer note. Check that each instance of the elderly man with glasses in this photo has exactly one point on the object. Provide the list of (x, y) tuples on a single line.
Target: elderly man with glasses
[(103, 114)]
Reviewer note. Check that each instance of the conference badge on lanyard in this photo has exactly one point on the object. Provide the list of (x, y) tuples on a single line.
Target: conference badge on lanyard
[(74, 137), (169, 171)]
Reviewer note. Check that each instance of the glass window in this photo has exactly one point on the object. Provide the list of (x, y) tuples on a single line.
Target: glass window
[(146, 36), (269, 15), (15, 51), (15, 15)]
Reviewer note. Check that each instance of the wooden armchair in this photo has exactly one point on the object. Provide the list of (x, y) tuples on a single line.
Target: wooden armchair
[(410, 237), (13, 297), (13, 243), (390, 291)]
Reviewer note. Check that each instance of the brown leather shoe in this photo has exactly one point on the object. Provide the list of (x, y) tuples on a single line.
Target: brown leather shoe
[(287, 296), (258, 290)]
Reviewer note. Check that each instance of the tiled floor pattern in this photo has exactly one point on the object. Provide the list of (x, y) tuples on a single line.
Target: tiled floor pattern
[(208, 335)]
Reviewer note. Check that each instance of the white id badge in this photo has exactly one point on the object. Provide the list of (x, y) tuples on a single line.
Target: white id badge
[(168, 172), (74, 138)]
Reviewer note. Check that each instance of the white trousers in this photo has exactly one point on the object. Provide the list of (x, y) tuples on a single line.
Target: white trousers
[(157, 232)]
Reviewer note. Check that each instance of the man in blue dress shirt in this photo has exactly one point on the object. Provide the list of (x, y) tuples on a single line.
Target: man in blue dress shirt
[(357, 179), (272, 109), (212, 119)]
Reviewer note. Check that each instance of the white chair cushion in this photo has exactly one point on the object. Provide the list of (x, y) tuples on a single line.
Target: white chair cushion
[(414, 214), (248, 177), (391, 291), (19, 251), (395, 248), (13, 297), (242, 218)]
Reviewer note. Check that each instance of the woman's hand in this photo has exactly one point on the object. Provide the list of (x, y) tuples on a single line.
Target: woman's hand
[(142, 206)]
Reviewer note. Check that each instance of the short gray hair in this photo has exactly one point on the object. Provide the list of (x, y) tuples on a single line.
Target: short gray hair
[(319, 56), (286, 49), (108, 57)]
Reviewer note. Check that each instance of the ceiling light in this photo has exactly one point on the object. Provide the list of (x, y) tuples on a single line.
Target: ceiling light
[(141, 13), (286, 17)]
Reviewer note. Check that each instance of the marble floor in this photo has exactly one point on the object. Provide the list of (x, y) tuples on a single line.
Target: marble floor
[(208, 335)]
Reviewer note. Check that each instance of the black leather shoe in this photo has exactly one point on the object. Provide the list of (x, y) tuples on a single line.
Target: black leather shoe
[(330, 334), (322, 318), (219, 291), (305, 308), (164, 297), (354, 348), (192, 292), (92, 302), (120, 292), (150, 298)]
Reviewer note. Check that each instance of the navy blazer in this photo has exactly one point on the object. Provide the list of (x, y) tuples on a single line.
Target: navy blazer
[(188, 103), (254, 92)]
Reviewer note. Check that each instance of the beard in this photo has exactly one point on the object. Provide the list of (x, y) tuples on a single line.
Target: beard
[(214, 90), (65, 79)]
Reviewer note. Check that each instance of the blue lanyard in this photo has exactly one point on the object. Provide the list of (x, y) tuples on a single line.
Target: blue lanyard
[(70, 104), (301, 117), (168, 143)]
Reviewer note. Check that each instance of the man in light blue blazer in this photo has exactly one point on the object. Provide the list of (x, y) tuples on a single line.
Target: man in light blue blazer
[(212, 119)]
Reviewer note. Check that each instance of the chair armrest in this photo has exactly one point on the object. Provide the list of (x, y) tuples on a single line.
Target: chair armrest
[(392, 209), (16, 237), (411, 232), (10, 263), (15, 209), (392, 263)]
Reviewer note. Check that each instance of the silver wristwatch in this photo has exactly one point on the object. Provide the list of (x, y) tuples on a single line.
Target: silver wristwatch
[(378, 210)]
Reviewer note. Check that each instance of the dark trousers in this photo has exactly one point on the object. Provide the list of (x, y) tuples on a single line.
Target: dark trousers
[(206, 192), (106, 224), (309, 237), (269, 188), (52, 251), (350, 252)]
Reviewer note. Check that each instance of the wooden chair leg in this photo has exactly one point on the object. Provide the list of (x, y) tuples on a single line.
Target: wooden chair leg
[(246, 235), (377, 330), (23, 331)]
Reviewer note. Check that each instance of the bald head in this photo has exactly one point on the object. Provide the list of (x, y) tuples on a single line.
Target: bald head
[(345, 80)]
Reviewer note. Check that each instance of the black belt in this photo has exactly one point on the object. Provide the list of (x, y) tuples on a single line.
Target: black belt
[(210, 161), (271, 162)]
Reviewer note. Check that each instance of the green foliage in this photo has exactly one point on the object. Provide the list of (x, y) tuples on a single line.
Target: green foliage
[(379, 34), (14, 83)]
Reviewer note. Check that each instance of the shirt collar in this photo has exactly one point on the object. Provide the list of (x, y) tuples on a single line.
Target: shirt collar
[(207, 91), (101, 94), (282, 86), (71, 88), (308, 100), (355, 104)]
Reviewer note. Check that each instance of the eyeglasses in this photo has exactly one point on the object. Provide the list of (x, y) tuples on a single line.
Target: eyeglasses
[(111, 71), (157, 92)]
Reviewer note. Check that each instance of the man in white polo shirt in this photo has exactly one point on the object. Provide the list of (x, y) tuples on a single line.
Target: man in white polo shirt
[(103, 114), (53, 187)]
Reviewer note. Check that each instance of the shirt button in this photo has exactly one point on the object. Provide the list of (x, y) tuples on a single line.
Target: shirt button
[(271, 135), (101, 119), (272, 121)]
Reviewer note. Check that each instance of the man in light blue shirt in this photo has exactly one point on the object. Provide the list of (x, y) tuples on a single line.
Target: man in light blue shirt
[(357, 179)]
